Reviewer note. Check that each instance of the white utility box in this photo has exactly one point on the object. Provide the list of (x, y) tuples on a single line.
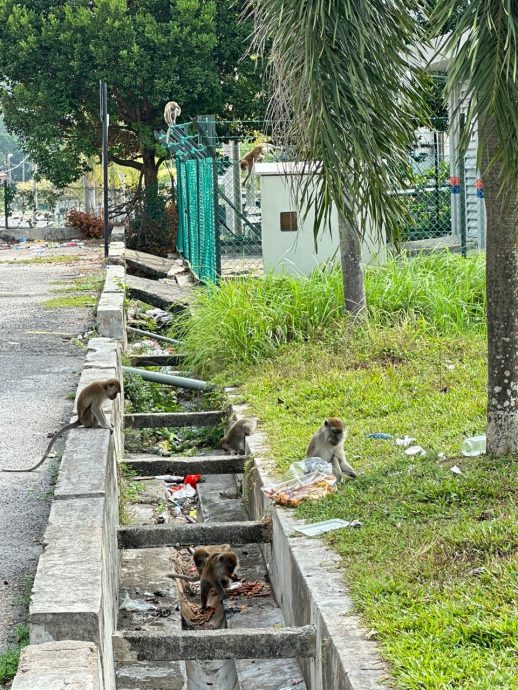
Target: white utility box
[(287, 239)]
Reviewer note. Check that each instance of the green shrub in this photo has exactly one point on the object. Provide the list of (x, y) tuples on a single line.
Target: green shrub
[(248, 320)]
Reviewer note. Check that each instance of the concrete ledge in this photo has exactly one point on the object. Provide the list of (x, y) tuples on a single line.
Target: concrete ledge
[(75, 593), (111, 322), (48, 234), (58, 665), (118, 233), (152, 536), (102, 353), (310, 589), (115, 279), (241, 643), (84, 470), (116, 253)]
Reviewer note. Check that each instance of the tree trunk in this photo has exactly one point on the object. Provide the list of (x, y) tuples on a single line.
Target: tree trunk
[(150, 169), (502, 298), (352, 273)]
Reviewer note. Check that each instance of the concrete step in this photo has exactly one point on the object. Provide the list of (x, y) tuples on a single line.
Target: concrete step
[(149, 264), (144, 573), (151, 420), (168, 296), (149, 465), (178, 535)]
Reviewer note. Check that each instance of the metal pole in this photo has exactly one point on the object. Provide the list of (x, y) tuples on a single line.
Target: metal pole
[(179, 381), (34, 192), (103, 94), (462, 177), (436, 171), (6, 206), (149, 334), (236, 189)]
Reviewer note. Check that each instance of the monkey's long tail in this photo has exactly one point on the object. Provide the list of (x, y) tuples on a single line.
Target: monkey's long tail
[(72, 425), (247, 177), (189, 578)]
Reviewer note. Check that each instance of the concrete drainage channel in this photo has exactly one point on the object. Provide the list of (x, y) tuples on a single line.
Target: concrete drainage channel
[(104, 613)]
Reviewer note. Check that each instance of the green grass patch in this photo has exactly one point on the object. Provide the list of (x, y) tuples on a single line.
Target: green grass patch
[(71, 302), (433, 571), (88, 283), (247, 320), (9, 660), (56, 259)]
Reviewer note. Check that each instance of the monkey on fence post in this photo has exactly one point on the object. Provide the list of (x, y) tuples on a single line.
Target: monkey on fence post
[(89, 413), (328, 443), (253, 156), (171, 111)]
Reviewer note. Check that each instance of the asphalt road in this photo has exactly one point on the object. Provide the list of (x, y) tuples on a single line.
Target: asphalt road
[(39, 367)]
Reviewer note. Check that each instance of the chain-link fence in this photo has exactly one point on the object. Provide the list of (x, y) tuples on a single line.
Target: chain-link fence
[(428, 200), (239, 216)]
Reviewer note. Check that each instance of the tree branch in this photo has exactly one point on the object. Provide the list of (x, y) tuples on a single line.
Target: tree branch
[(127, 163), (161, 160)]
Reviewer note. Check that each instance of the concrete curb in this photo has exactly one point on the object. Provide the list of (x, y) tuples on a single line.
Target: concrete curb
[(46, 666), (74, 604), (111, 315), (310, 589)]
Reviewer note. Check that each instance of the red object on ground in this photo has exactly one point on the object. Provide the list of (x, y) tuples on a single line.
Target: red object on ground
[(192, 479)]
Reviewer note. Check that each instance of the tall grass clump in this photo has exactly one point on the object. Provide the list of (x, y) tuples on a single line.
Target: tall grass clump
[(245, 321), (445, 290)]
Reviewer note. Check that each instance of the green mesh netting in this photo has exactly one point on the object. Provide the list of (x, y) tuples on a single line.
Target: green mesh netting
[(196, 221)]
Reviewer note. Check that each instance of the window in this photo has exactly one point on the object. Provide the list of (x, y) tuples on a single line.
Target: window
[(289, 221)]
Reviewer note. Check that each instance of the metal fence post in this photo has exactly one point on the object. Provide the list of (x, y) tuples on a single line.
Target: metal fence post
[(103, 97), (462, 178), (6, 206)]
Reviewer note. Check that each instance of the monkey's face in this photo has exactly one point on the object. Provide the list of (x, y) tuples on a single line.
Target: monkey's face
[(335, 431), (113, 388)]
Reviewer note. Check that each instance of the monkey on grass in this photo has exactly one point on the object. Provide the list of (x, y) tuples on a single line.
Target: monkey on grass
[(328, 443), (89, 413)]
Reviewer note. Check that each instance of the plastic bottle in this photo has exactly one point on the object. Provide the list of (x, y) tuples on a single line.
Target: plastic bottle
[(475, 445)]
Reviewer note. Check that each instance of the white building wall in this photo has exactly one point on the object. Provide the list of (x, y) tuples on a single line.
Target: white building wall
[(295, 252)]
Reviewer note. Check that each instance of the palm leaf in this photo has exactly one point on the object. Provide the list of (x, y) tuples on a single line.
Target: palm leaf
[(346, 93), (484, 56)]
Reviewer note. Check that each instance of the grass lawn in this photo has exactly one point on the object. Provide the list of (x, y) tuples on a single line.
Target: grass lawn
[(434, 568)]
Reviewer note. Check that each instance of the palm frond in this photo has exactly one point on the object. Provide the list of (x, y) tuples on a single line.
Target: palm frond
[(484, 57), (347, 95)]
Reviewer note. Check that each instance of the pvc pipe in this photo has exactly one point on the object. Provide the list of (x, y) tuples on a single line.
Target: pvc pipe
[(153, 335), (179, 381)]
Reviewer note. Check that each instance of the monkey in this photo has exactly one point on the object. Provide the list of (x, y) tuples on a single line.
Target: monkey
[(219, 568), (200, 557), (89, 413), (235, 439), (252, 157), (171, 111), (328, 443)]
